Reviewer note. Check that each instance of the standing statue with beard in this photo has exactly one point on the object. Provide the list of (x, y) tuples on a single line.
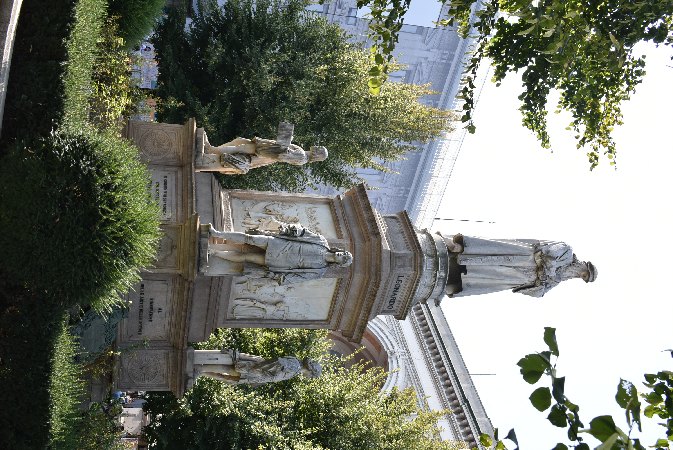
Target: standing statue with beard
[(527, 266)]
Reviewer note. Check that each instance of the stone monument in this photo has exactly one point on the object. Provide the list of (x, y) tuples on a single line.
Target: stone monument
[(155, 325), (239, 259)]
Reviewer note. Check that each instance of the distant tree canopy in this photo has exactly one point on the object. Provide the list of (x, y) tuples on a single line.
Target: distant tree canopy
[(242, 68), (343, 409), (583, 49)]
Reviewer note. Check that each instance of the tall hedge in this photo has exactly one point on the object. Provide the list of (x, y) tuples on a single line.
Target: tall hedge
[(136, 18), (76, 221)]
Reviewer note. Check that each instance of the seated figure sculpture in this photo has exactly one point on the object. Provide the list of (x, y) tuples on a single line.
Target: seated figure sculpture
[(527, 266), (293, 254), (233, 367)]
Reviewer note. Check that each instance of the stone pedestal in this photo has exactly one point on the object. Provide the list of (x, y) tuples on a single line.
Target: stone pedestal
[(186, 295), (153, 335), (393, 267)]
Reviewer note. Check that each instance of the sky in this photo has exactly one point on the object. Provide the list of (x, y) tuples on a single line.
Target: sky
[(620, 220)]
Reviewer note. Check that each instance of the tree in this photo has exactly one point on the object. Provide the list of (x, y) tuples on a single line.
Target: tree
[(585, 50), (341, 409), (242, 68)]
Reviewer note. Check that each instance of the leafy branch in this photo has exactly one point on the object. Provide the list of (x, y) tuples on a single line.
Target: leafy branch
[(565, 414), (582, 49)]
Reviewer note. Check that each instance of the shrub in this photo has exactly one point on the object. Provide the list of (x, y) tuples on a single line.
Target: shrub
[(34, 92), (66, 388), (114, 93), (71, 426), (76, 221), (82, 48), (136, 18), (28, 331)]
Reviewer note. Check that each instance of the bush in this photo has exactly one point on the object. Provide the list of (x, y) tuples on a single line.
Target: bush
[(270, 342), (76, 221), (136, 17), (66, 389), (28, 331), (34, 92), (114, 93), (72, 426)]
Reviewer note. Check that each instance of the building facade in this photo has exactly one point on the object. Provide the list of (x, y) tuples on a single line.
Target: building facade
[(430, 55)]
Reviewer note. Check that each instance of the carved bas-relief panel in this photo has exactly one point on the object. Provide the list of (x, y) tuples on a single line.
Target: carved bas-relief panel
[(265, 215), (145, 370), (158, 143), (149, 312), (264, 299), (169, 244)]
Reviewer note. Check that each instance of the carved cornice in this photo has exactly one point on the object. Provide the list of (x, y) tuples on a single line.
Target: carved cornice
[(444, 371)]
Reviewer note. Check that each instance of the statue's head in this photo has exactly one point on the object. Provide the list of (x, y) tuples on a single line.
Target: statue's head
[(589, 275), (342, 258), (310, 368), (579, 269), (318, 153)]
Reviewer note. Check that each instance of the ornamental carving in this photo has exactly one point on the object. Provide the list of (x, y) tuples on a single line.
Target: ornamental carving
[(144, 369), (158, 145)]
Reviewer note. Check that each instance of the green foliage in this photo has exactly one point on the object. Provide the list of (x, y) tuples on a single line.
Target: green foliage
[(35, 88), (659, 403), (65, 389), (44, 268), (66, 64), (585, 50), (565, 414), (343, 409), (76, 222), (494, 442), (385, 21), (269, 342), (97, 428), (37, 354), (72, 427), (136, 17), (243, 68), (82, 49), (114, 94), (28, 330)]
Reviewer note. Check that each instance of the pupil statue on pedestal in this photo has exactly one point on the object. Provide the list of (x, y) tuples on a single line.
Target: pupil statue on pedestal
[(526, 266), (240, 155), (291, 255), (240, 368)]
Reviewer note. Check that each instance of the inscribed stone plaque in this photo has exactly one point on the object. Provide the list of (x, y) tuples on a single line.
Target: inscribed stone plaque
[(149, 312), (159, 143), (396, 293), (162, 189)]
